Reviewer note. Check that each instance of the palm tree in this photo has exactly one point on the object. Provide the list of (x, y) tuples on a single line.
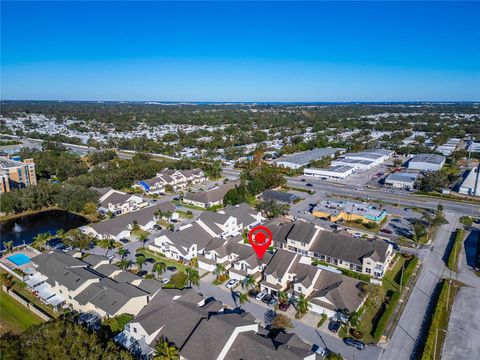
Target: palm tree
[(41, 239), (193, 263), (108, 244), (219, 271), (159, 267), (143, 238), (302, 305), (140, 261), (248, 282), (123, 252), (165, 351), (8, 245), (125, 264), (60, 233), (193, 278), (242, 298), (282, 297)]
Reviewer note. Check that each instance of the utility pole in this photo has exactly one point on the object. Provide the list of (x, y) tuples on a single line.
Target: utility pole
[(401, 279)]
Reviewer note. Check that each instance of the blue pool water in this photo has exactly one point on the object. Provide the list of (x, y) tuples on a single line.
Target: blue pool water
[(19, 259)]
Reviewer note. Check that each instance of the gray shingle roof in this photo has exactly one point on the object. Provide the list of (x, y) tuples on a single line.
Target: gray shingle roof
[(115, 198), (302, 232), (280, 263), (279, 196), (243, 212), (213, 195), (348, 248), (193, 234)]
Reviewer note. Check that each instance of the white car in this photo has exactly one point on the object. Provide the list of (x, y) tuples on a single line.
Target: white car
[(320, 350), (260, 296), (165, 281), (231, 283)]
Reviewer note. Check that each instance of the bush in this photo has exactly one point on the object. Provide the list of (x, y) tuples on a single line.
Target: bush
[(384, 314), (408, 268), (322, 320), (356, 334), (455, 250)]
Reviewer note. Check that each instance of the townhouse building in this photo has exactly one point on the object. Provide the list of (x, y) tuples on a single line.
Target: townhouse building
[(211, 197), (175, 178), (327, 290), (90, 285), (203, 330), (117, 202), (370, 257)]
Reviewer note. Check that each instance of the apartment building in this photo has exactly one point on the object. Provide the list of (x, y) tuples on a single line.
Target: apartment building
[(16, 174), (370, 257)]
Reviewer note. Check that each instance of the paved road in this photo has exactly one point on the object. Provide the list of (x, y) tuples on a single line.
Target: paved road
[(404, 343), (463, 329), (397, 196)]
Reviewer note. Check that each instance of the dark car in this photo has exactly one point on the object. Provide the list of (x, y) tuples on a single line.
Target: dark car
[(386, 231), (302, 180), (172, 268), (355, 343), (334, 326), (142, 273), (284, 306), (266, 299), (308, 184), (252, 293), (123, 240), (150, 260)]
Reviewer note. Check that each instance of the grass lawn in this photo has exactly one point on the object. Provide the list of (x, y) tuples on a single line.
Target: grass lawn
[(185, 214), (14, 316), (139, 232), (369, 312), (158, 257), (362, 226)]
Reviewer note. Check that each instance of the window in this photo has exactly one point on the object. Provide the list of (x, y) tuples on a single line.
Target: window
[(299, 288), (135, 330), (368, 271)]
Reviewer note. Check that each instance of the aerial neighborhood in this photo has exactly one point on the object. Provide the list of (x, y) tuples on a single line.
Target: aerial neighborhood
[(155, 250)]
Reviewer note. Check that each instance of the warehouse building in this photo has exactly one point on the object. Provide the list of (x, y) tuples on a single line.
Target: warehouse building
[(296, 161), (401, 180), (471, 184), (332, 172), (364, 160), (427, 162)]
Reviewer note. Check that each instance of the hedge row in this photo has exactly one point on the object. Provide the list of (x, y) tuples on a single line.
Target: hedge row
[(452, 261), (385, 316)]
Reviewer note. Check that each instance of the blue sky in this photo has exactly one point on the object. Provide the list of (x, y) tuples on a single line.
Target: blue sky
[(232, 51)]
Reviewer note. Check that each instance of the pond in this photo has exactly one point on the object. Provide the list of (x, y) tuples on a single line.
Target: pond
[(23, 229)]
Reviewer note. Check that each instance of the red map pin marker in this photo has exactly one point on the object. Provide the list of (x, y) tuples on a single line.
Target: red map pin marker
[(260, 237)]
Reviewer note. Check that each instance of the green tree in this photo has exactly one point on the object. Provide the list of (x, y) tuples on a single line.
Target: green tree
[(193, 278), (219, 271), (125, 264), (193, 263), (8, 245), (165, 351), (302, 305), (273, 209), (242, 298), (282, 297), (281, 322), (140, 260), (123, 252), (143, 238), (159, 267), (108, 244), (249, 282)]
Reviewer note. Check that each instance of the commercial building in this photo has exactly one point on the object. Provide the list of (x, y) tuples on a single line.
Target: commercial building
[(471, 184), (427, 162), (474, 147), (402, 180), (348, 211), (16, 174), (296, 161), (449, 147), (332, 172)]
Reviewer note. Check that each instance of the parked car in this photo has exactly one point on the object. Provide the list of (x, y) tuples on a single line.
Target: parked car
[(308, 184), (322, 351), (253, 293), (150, 260), (266, 299), (231, 283), (407, 209), (284, 306), (165, 281), (386, 231), (260, 296), (359, 189), (142, 273), (172, 268), (124, 240), (272, 302), (355, 343), (334, 326), (302, 180), (356, 235), (111, 257)]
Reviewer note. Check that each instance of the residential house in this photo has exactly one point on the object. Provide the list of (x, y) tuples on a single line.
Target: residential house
[(122, 225), (174, 178), (209, 198), (91, 284), (327, 290), (371, 257), (280, 196), (117, 202)]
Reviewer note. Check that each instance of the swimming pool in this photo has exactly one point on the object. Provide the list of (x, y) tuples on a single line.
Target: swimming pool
[(19, 259)]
